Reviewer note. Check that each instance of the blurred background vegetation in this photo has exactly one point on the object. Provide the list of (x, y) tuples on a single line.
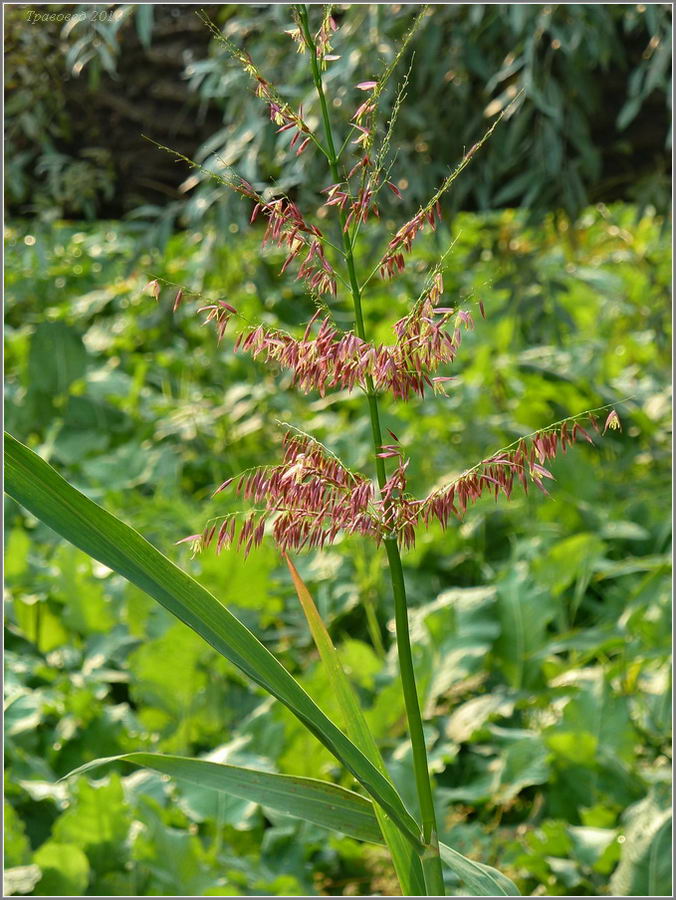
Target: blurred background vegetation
[(593, 124), (541, 626)]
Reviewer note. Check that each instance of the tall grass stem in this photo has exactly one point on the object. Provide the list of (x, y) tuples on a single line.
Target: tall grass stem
[(431, 860)]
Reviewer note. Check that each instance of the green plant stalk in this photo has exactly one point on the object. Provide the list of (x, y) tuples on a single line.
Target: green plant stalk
[(431, 860)]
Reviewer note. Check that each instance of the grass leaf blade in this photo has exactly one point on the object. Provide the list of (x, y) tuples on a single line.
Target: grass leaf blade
[(36, 485), (406, 861), (484, 881), (310, 799)]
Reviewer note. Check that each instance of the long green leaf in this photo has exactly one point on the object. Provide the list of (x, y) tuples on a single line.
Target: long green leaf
[(483, 881), (38, 487), (407, 863), (309, 799)]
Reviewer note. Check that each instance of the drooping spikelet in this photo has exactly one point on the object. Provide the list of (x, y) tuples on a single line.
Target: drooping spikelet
[(333, 359), (310, 497)]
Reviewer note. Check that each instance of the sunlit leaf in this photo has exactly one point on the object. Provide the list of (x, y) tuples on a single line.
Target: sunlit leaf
[(314, 801)]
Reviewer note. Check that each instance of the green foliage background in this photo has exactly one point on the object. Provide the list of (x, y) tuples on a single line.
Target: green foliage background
[(593, 122), (541, 627)]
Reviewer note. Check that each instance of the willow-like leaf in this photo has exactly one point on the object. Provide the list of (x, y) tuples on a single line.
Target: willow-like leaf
[(311, 800)]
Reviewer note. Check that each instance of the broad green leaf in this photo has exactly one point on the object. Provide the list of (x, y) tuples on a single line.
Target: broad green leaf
[(39, 623), (65, 870), (176, 861), (472, 715), (17, 549), (23, 713), (595, 724), (567, 561), (406, 862), (320, 802), (97, 820), (87, 610), (165, 671), (484, 881), (590, 844), (16, 845), (458, 627), (38, 487), (57, 357), (524, 763), (244, 583), (524, 611), (645, 863)]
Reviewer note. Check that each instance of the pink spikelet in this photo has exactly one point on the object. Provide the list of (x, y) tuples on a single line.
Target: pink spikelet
[(153, 288), (307, 499), (613, 421), (341, 360), (220, 313), (393, 260), (287, 228)]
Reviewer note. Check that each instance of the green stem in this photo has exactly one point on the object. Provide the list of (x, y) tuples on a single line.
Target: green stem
[(431, 858)]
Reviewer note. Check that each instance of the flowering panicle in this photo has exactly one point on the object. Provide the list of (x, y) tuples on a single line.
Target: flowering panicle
[(311, 496), (307, 499), (393, 260), (342, 360), (287, 228), (280, 112), (521, 462)]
